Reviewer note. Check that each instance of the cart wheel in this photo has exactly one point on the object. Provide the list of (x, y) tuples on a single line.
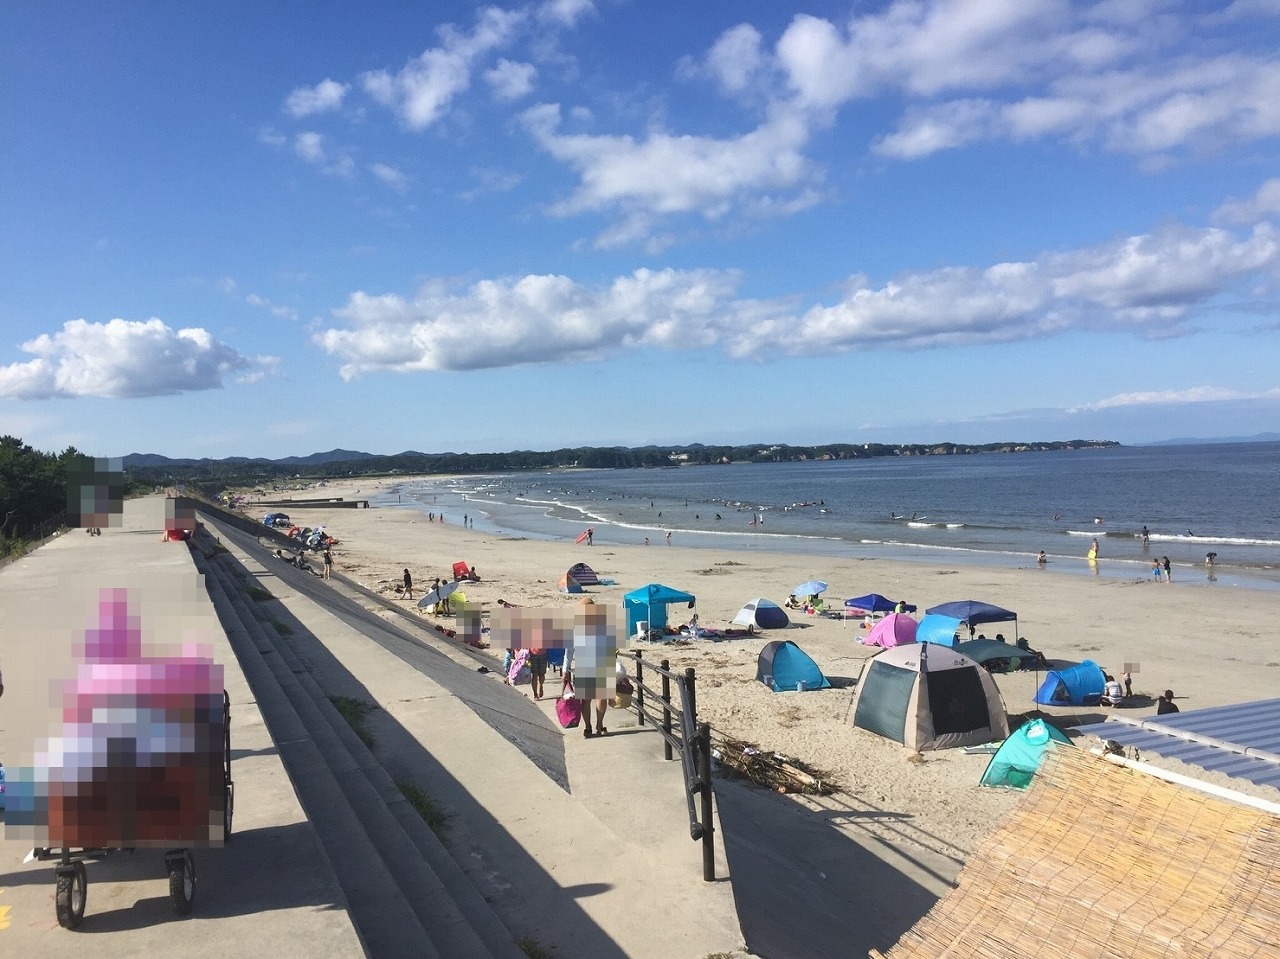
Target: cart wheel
[(228, 811), (182, 882), (71, 895)]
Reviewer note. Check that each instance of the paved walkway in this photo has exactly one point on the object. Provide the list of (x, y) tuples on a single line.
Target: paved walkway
[(604, 869), (270, 892)]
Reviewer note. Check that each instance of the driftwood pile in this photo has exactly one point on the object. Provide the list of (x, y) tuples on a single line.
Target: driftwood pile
[(738, 759)]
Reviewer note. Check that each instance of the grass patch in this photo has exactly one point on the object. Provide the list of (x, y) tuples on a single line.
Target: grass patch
[(432, 814), (257, 593), (532, 948), (354, 711)]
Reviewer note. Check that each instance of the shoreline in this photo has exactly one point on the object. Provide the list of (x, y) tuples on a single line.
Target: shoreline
[(1211, 648), (544, 529)]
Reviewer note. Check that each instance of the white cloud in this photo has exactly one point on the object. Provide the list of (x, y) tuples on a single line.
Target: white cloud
[(309, 146), (262, 303), (1196, 394), (118, 359), (390, 176), (530, 319), (325, 95), (511, 80), (313, 148), (1146, 284), (666, 173), (1264, 203), (735, 58), (422, 91), (565, 12)]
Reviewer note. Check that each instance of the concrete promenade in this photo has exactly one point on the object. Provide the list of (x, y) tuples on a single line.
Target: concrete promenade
[(605, 868), (271, 891)]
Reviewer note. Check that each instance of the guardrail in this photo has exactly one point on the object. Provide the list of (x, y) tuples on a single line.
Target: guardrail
[(681, 731)]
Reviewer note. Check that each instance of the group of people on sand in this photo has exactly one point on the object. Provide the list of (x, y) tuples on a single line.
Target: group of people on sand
[(1115, 693)]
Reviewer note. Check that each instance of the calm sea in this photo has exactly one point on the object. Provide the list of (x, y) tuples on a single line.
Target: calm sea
[(986, 509)]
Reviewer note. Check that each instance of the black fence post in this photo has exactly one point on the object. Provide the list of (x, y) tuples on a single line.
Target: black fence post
[(708, 829), (640, 685), (690, 721), (666, 709)]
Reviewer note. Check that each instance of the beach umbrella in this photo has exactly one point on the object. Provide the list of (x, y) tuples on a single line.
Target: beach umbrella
[(811, 588), (871, 603), (973, 613), (443, 591), (896, 629)]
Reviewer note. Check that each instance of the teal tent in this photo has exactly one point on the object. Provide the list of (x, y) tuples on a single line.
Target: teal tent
[(1019, 759), (648, 604), (995, 656)]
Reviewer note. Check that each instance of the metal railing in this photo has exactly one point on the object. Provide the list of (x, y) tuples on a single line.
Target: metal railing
[(680, 730)]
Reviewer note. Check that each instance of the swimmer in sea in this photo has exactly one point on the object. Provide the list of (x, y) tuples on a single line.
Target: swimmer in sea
[(1042, 559)]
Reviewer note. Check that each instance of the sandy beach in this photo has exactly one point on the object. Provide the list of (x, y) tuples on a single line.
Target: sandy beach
[(1206, 643)]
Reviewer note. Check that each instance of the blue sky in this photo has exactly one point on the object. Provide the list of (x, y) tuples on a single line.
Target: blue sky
[(273, 228)]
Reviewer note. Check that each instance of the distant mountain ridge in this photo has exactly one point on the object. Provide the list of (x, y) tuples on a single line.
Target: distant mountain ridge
[(135, 460)]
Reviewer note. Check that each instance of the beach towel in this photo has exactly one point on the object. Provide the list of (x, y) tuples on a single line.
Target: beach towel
[(518, 671), (568, 708)]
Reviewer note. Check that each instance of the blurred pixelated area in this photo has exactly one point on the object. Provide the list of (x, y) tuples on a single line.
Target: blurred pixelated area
[(123, 743), (590, 633), (95, 492), (179, 518)]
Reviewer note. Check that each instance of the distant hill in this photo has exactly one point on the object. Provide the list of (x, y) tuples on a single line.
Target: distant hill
[(152, 460)]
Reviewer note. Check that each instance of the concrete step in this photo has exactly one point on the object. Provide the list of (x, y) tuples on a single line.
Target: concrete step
[(448, 904), (453, 911), (386, 921)]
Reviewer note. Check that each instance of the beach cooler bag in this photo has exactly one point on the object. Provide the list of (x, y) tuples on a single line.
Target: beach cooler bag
[(622, 692), (568, 708)]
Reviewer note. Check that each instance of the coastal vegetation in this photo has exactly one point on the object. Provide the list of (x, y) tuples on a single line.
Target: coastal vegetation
[(150, 468), (33, 492)]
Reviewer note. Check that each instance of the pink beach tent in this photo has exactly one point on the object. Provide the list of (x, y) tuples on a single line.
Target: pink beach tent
[(896, 629)]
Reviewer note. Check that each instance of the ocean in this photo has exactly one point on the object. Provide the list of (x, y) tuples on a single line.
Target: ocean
[(997, 509)]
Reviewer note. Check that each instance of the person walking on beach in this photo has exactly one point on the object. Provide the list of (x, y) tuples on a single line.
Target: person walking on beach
[(591, 535), (408, 584), (1168, 569), (1165, 704), (328, 563), (1093, 550), (668, 537)]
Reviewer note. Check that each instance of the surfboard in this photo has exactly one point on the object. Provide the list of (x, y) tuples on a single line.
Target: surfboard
[(583, 537)]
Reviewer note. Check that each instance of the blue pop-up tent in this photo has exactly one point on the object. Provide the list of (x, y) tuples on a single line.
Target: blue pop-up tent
[(936, 629), (648, 604), (1074, 686), (783, 666)]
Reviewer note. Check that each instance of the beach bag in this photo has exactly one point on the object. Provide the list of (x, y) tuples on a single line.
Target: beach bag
[(623, 691), (568, 709)]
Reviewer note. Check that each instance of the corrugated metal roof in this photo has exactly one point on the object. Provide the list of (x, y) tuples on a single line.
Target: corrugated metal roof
[(1242, 741)]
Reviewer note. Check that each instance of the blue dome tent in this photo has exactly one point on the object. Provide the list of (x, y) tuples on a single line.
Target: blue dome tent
[(1073, 686), (787, 665)]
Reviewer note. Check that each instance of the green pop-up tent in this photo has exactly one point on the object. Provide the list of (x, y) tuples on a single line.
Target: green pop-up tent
[(1018, 760)]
